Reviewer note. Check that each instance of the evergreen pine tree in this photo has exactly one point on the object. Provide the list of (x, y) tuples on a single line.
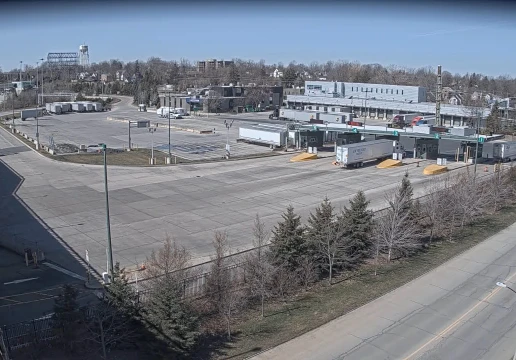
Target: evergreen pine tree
[(358, 224), (493, 123), (173, 326), (288, 243), (121, 295), (67, 315), (318, 224)]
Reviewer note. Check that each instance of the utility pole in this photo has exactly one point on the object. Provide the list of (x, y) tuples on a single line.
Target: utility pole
[(438, 97), (21, 62), (109, 249), (228, 126), (476, 145), (365, 105)]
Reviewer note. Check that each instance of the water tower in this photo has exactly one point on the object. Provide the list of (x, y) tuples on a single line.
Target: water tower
[(84, 55)]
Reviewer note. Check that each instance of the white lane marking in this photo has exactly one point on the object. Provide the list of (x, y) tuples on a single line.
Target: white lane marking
[(64, 271), (20, 281)]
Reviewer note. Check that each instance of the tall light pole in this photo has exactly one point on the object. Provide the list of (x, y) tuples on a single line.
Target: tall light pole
[(42, 81), (169, 148), (152, 130), (13, 92), (228, 126), (37, 107), (21, 62), (110, 249)]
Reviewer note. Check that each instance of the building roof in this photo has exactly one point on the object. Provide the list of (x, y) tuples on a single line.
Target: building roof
[(424, 107)]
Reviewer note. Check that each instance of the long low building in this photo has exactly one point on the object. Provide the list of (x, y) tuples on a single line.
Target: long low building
[(454, 115), (376, 101)]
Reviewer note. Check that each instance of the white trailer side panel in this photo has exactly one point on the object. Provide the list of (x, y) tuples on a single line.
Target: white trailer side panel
[(364, 151), (265, 136)]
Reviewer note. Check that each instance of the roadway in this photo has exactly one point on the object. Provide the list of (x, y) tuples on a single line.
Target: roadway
[(453, 312), (186, 202)]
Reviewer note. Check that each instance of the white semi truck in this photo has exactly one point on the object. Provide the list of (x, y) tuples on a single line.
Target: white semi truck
[(354, 155)]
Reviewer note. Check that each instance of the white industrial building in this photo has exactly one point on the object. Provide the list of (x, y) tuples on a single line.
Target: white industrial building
[(375, 101)]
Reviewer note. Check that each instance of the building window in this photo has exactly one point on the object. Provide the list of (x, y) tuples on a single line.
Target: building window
[(332, 109), (401, 92), (317, 108), (396, 92), (325, 109), (362, 89), (377, 90), (381, 90), (392, 91)]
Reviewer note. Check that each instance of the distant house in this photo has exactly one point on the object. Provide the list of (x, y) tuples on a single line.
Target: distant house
[(455, 99), (277, 74), (106, 77), (120, 75)]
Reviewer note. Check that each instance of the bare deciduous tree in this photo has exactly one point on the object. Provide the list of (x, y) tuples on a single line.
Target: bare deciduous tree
[(307, 272), (168, 264), (258, 269), (224, 289), (395, 230), (106, 327)]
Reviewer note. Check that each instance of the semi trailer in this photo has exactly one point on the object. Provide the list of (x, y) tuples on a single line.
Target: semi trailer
[(354, 155), (31, 113)]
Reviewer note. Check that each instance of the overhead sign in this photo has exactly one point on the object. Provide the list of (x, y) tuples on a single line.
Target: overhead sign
[(143, 123), (396, 133), (481, 139)]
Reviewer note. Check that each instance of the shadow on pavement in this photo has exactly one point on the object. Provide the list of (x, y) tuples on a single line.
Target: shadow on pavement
[(21, 228)]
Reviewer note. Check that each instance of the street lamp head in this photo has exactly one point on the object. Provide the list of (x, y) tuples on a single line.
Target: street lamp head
[(501, 284)]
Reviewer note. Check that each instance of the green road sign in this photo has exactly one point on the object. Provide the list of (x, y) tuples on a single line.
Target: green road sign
[(396, 133), (355, 130), (437, 136), (481, 139)]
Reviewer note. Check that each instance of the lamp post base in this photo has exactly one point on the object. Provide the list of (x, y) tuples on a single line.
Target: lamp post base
[(152, 161)]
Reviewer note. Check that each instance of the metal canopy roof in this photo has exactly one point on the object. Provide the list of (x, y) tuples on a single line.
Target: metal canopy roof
[(442, 136)]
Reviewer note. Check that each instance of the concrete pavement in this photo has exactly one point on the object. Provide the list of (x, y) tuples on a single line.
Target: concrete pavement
[(186, 202), (454, 312)]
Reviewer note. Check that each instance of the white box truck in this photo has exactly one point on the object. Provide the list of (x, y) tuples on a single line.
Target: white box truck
[(354, 155), (31, 113), (504, 151)]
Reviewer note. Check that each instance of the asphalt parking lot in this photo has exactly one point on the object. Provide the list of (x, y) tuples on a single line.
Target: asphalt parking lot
[(94, 128)]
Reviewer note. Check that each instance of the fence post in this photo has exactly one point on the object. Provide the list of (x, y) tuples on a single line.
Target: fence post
[(5, 348), (34, 329)]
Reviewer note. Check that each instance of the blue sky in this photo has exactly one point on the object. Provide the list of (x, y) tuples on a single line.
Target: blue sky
[(476, 41)]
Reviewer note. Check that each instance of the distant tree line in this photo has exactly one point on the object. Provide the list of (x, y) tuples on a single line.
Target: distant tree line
[(183, 75)]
